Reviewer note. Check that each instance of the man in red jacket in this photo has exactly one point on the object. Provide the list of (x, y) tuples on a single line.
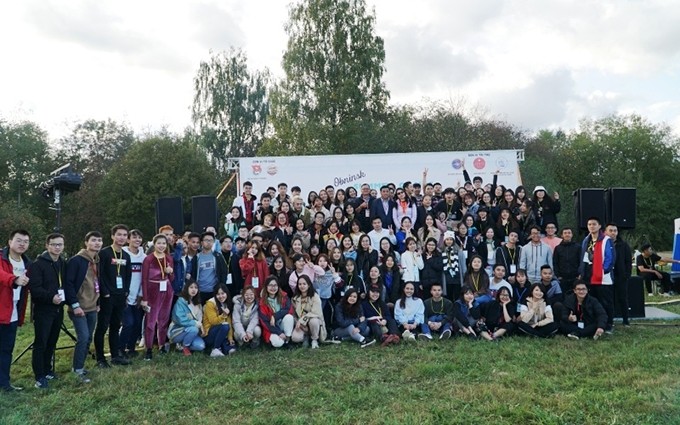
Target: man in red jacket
[(13, 281)]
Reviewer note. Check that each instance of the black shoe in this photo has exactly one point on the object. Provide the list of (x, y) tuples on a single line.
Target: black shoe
[(12, 389), (120, 361), (103, 364), (149, 355), (165, 349), (366, 342), (51, 376), (131, 354)]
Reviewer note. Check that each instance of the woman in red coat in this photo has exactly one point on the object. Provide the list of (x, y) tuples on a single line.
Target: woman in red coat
[(254, 265), (276, 314)]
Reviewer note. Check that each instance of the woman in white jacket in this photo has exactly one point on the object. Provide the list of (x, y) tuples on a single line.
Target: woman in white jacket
[(411, 262), (245, 318)]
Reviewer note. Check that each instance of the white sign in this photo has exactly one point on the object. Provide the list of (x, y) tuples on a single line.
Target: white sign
[(341, 171)]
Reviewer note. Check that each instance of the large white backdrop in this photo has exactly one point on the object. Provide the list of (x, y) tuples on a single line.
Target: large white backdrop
[(341, 171)]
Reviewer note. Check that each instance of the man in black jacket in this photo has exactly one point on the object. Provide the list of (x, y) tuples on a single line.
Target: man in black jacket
[(582, 315), (566, 260), (623, 265), (115, 273), (47, 274)]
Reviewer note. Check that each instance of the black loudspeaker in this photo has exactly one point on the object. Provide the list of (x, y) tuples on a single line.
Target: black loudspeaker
[(636, 298), (589, 203), (621, 206), (169, 211), (203, 213)]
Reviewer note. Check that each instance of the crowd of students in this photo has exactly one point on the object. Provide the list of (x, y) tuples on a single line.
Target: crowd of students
[(409, 263)]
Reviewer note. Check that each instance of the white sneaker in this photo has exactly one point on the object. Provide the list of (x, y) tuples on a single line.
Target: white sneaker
[(406, 334), (315, 344), (216, 352)]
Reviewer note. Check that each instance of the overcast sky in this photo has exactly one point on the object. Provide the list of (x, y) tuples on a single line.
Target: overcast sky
[(537, 64)]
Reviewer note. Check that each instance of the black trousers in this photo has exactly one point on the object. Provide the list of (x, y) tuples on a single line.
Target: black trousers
[(605, 295), (649, 277), (572, 328), (621, 296), (109, 318), (47, 322), (545, 331)]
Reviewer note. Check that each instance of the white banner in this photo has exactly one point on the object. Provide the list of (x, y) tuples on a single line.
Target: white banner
[(340, 171)]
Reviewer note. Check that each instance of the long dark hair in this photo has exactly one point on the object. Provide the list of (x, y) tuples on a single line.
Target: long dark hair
[(347, 308), (402, 300), (280, 294), (196, 300), (228, 302), (310, 292)]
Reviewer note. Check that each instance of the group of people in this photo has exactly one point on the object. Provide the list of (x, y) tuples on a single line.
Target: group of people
[(480, 262)]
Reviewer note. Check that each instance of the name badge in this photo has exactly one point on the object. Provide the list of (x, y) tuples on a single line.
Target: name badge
[(17, 294), (62, 295), (367, 213), (513, 268), (507, 239), (519, 309), (96, 285), (163, 286), (229, 279), (256, 282), (119, 282), (581, 325)]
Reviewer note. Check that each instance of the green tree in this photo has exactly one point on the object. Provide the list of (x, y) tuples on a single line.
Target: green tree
[(154, 168), (333, 92), (231, 107), (25, 162), (12, 217)]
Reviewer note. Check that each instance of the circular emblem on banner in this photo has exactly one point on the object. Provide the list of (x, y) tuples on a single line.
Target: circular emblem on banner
[(272, 170), (479, 163), (501, 162), (257, 169), (456, 164)]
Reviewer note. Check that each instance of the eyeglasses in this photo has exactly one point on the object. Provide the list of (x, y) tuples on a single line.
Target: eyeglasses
[(22, 241), (56, 245)]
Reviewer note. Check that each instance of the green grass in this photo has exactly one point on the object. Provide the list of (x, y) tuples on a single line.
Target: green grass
[(627, 378)]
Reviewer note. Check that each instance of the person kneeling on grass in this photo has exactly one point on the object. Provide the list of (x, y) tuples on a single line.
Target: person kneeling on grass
[(276, 314), (187, 320), (245, 318), (308, 313), (467, 313), (498, 316), (536, 317), (582, 315), (350, 319), (409, 312), (380, 321), (217, 323), (438, 314)]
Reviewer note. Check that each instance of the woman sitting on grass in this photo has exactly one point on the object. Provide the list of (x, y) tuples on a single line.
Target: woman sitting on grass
[(245, 318), (350, 320), (379, 317), (309, 316), (217, 323), (536, 317), (409, 312), (187, 320), (276, 314), (498, 316), (466, 313)]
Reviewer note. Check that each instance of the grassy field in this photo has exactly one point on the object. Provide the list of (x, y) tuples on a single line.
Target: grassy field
[(628, 378)]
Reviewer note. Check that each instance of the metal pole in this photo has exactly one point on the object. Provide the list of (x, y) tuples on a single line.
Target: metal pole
[(57, 207)]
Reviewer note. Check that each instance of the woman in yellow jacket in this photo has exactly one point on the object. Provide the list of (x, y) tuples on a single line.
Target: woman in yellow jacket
[(217, 324)]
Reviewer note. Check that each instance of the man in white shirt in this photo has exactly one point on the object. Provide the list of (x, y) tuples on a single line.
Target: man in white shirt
[(378, 233)]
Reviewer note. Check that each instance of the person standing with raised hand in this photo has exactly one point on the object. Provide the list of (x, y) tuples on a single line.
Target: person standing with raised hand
[(13, 281), (48, 273)]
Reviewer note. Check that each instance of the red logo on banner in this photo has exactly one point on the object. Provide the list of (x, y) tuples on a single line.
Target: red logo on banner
[(257, 169), (479, 163)]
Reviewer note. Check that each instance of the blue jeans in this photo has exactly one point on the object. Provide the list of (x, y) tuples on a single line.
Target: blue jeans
[(218, 337), (132, 327), (348, 332), (189, 338), (436, 318), (84, 327), (8, 336)]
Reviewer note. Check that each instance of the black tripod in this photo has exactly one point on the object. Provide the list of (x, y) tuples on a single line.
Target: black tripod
[(30, 346)]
